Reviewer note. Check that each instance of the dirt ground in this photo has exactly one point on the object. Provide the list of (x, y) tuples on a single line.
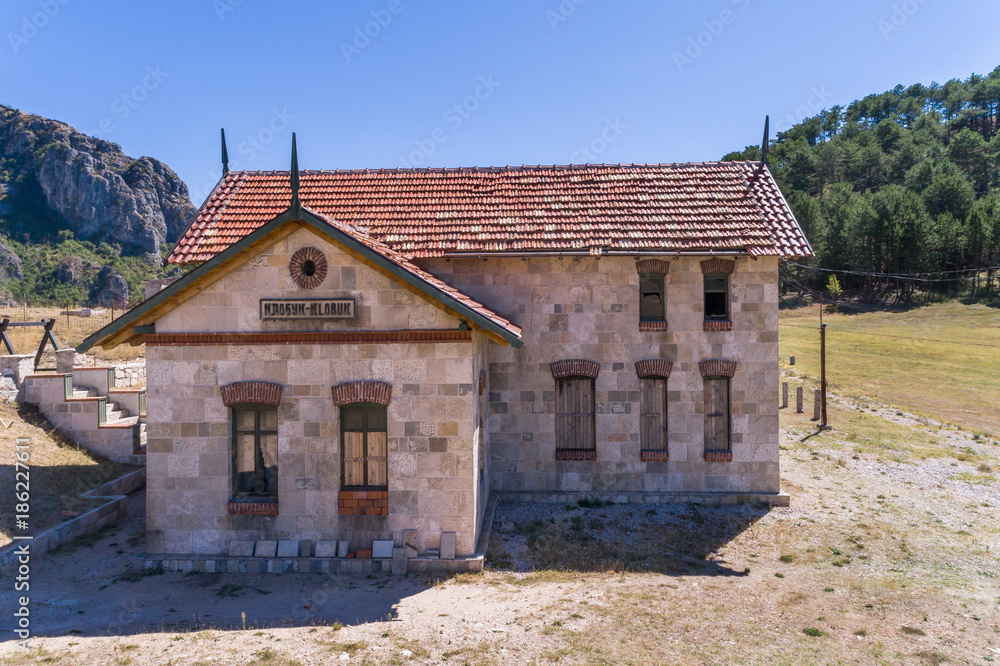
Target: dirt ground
[(888, 555)]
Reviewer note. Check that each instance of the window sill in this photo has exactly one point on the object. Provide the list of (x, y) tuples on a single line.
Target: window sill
[(363, 503), (576, 454), (718, 325), (653, 455), (652, 325), (253, 507), (718, 456)]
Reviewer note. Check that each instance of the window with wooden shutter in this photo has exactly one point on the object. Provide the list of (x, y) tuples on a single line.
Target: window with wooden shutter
[(653, 415), (716, 414), (364, 444), (575, 428)]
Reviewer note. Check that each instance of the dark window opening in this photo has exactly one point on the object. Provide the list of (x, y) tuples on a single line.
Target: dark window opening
[(575, 428), (652, 303), (364, 446), (255, 451), (308, 267), (716, 296)]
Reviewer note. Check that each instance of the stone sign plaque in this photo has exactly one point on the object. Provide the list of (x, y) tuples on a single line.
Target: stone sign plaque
[(307, 308)]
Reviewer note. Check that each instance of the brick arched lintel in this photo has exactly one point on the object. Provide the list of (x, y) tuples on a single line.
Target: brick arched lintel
[(717, 367), (717, 265), (365, 390), (575, 367), (251, 392), (653, 368), (652, 266)]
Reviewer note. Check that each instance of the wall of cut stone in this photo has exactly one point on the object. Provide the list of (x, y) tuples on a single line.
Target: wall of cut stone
[(588, 307), (431, 414)]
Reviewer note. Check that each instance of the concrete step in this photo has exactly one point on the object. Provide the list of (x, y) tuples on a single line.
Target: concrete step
[(84, 392)]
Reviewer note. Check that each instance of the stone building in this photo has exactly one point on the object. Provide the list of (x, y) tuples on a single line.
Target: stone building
[(372, 352)]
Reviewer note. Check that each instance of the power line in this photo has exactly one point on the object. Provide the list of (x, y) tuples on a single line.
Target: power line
[(897, 276)]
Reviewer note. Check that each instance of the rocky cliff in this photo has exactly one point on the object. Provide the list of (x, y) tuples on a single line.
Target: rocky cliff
[(89, 186)]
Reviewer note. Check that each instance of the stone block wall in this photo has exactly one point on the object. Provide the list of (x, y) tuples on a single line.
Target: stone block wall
[(430, 444), (588, 308)]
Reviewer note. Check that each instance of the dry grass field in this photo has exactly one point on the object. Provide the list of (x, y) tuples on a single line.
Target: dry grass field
[(888, 555), (69, 331)]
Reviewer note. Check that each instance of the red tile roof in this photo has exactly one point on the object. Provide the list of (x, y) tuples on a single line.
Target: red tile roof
[(718, 206)]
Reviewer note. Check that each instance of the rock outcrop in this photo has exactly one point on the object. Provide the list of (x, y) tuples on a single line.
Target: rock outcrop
[(100, 193)]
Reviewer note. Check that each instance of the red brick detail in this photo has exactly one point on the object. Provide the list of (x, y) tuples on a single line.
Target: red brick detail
[(655, 325), (718, 456), (653, 367), (718, 266), (575, 367), (364, 553), (300, 257), (717, 367), (716, 325), (653, 455), (576, 454), (482, 381), (362, 391), (253, 508), (363, 503), (264, 393), (652, 266), (306, 338)]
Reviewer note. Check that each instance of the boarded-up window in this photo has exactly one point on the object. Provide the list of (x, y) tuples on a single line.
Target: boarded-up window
[(255, 451), (716, 295), (575, 413), (652, 301), (653, 414), (716, 413), (363, 434)]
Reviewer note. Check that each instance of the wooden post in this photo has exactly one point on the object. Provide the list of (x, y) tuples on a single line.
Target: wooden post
[(816, 402), (798, 400), (822, 377), (784, 394)]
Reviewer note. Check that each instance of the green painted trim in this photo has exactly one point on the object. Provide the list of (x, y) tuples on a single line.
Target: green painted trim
[(324, 228), (142, 330)]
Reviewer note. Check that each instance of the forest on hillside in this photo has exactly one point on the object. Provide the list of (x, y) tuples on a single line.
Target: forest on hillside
[(902, 183)]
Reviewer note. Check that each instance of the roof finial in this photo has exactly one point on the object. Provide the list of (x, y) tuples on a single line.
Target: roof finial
[(225, 154), (767, 140), (296, 204)]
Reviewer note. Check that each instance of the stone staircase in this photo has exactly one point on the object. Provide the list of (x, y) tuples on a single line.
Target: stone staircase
[(85, 406)]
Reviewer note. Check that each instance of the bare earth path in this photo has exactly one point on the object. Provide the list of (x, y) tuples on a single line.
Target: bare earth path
[(889, 554)]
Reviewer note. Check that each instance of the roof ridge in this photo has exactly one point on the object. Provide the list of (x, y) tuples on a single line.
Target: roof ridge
[(504, 169)]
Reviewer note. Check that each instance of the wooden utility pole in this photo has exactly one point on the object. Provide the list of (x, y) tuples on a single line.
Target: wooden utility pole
[(822, 376)]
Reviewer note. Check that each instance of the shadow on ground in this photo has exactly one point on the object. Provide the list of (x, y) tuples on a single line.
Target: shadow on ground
[(592, 536), (87, 588)]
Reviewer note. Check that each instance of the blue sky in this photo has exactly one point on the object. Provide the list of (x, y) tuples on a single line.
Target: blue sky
[(390, 83)]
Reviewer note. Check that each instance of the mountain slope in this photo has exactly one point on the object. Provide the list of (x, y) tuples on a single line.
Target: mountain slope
[(68, 200)]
